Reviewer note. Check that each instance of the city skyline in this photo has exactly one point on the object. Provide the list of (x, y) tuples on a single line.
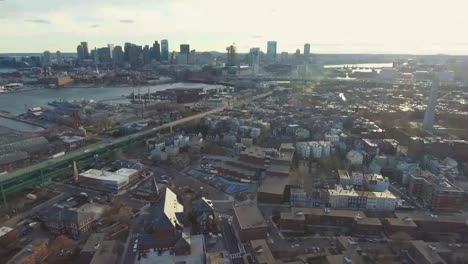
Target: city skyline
[(357, 27)]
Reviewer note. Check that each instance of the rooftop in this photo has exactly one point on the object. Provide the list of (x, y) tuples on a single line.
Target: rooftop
[(249, 216), (104, 175), (327, 211), (197, 254), (261, 251), (402, 222), (165, 212), (427, 217), (427, 251), (273, 184), (369, 221)]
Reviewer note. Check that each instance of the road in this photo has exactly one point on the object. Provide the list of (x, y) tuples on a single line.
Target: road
[(394, 189), (230, 241)]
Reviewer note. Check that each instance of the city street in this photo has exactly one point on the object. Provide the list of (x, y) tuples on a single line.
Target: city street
[(231, 242)]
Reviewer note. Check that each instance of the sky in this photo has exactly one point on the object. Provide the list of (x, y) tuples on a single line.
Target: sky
[(330, 26)]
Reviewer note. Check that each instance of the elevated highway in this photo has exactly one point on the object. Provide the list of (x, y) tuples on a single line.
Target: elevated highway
[(44, 172)]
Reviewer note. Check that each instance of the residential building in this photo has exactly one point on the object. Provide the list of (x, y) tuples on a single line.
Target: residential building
[(72, 217), (376, 182), (436, 192), (349, 198)]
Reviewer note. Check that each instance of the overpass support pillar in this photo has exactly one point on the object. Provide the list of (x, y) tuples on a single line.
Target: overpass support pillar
[(170, 129)]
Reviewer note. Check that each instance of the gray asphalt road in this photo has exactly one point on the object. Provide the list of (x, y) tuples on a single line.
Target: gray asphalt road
[(231, 243)]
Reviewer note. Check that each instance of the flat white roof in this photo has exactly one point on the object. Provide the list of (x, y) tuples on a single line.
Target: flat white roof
[(104, 175), (126, 172)]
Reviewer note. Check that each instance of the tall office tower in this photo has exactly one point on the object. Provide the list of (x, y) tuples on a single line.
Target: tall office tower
[(185, 48), (46, 59), (231, 56), (59, 57), (271, 50), (157, 51), (429, 115), (135, 57), (254, 59), (127, 46), (80, 53), (111, 49), (104, 56), (306, 49), (164, 50), (85, 49), (183, 57), (118, 55), (146, 55)]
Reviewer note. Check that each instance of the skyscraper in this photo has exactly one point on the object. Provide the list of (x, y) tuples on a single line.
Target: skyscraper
[(185, 48), (146, 55), (118, 55), (59, 57), (46, 59), (135, 57), (164, 50), (231, 56), (126, 50), (80, 53), (111, 49), (307, 49), (184, 54), (85, 49), (429, 115), (157, 51), (254, 60), (271, 50)]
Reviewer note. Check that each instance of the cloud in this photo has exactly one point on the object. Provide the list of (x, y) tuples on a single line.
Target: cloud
[(94, 26), (127, 21), (38, 21)]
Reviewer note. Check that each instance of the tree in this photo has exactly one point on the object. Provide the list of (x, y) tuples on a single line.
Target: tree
[(125, 215), (62, 244)]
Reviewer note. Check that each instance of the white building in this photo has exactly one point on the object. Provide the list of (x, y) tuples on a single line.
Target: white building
[(376, 182), (351, 199), (332, 137), (303, 150), (106, 179), (313, 149)]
